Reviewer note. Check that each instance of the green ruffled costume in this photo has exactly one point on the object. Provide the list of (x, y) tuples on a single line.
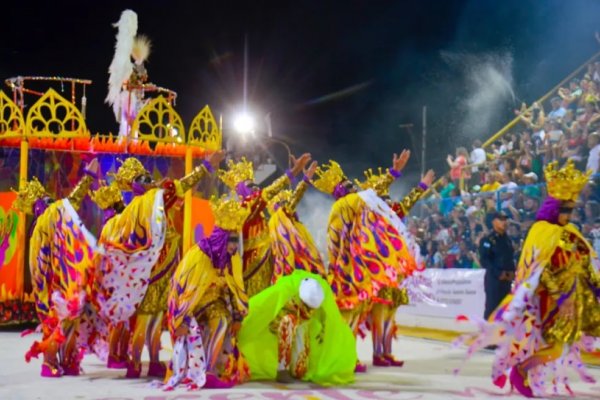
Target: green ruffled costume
[(332, 356)]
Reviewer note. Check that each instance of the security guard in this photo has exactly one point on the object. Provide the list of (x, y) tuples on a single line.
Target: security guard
[(496, 254)]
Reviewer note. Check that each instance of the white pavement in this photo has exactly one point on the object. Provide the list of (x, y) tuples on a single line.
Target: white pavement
[(427, 374)]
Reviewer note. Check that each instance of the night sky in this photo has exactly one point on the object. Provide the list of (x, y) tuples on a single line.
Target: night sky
[(393, 56)]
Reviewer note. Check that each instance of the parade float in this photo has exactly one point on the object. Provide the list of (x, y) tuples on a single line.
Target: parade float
[(49, 139)]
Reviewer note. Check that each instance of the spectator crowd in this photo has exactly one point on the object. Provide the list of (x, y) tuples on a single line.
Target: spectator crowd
[(508, 176)]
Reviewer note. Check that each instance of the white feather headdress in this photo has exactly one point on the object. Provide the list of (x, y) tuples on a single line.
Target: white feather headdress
[(121, 66)]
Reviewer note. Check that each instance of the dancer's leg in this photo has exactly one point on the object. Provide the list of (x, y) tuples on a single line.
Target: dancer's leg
[(138, 339), (389, 332), (300, 351), (213, 339), (123, 350), (286, 331), (153, 336), (378, 314), (68, 350), (155, 329), (114, 346)]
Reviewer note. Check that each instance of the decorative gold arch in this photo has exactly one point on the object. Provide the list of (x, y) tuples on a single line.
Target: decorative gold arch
[(56, 117), (12, 123), (204, 131), (158, 122)]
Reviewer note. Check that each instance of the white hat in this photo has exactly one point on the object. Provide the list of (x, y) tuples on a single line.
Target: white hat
[(531, 175), (311, 293)]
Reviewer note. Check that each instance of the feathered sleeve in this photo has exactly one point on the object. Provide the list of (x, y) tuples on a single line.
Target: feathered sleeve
[(235, 281), (191, 279), (270, 191), (40, 260), (80, 191), (340, 221), (402, 208), (539, 245), (296, 197)]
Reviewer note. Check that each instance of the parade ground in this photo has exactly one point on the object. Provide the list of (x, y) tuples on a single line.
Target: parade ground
[(427, 374)]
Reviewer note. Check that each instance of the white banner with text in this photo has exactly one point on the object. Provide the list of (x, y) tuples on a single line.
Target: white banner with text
[(461, 290)]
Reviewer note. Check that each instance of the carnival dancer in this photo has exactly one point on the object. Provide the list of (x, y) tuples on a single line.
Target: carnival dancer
[(291, 243), (382, 318), (133, 243), (365, 251), (294, 330), (148, 323), (257, 257), (125, 84), (61, 251), (207, 303), (553, 311)]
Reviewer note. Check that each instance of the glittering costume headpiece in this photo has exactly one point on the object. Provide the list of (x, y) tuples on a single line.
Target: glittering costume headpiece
[(328, 177), (237, 173), (282, 197), (566, 183), (379, 182), (229, 214), (130, 169), (28, 195), (107, 195)]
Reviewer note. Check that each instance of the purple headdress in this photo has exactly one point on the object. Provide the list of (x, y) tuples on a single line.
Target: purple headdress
[(549, 210), (340, 190), (243, 190), (137, 189), (215, 247)]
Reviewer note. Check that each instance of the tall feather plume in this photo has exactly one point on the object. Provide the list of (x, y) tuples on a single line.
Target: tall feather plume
[(141, 48), (121, 66)]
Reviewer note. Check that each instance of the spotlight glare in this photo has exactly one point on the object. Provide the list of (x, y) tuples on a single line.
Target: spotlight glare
[(243, 124)]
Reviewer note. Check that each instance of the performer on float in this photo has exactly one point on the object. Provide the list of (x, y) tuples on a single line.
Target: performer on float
[(363, 246), (553, 312), (61, 251), (207, 303), (291, 243), (257, 257), (125, 84), (382, 317), (294, 330), (133, 243)]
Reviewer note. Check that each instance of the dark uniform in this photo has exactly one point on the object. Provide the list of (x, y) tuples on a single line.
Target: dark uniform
[(496, 256)]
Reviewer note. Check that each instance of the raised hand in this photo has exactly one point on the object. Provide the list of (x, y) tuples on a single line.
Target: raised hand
[(428, 178), (399, 161), (215, 158), (310, 171), (298, 164)]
